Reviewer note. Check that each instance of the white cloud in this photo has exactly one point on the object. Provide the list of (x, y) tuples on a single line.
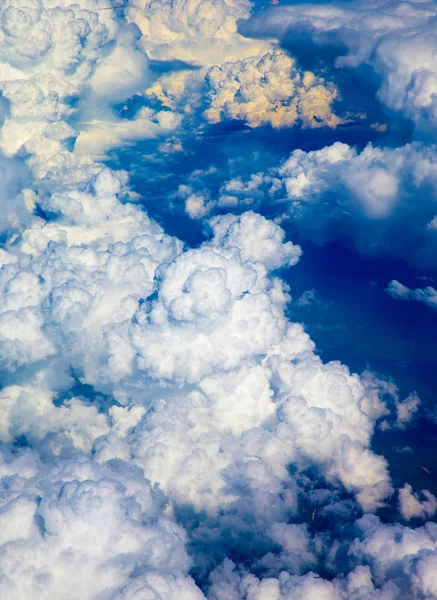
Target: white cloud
[(398, 291), (104, 523), (412, 507), (156, 397), (396, 38), (197, 32), (62, 68), (369, 197), (382, 398), (269, 89)]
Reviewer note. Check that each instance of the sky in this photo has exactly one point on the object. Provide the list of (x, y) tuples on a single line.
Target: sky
[(218, 310)]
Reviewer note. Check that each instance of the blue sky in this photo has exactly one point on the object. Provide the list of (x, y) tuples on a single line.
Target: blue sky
[(218, 304)]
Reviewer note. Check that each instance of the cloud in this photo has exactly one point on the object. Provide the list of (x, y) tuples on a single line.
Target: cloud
[(408, 554), (398, 291), (394, 560), (264, 89), (382, 398), (166, 431), (63, 81), (412, 507), (269, 90), (394, 38), (212, 393), (16, 199), (367, 197), (99, 136), (88, 270), (104, 522), (311, 299), (197, 32)]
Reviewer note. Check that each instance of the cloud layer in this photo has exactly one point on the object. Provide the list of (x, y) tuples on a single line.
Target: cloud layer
[(167, 432)]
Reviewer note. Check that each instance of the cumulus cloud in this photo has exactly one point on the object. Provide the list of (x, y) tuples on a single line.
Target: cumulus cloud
[(166, 431), (118, 244), (264, 89), (197, 32), (104, 523), (269, 90), (382, 398), (214, 392), (396, 561), (223, 75), (367, 197), (398, 291), (395, 38), (63, 68), (412, 507)]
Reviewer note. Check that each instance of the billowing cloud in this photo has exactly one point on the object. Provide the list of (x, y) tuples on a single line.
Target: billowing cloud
[(83, 530), (396, 562), (216, 392), (166, 431), (198, 32), (412, 507), (63, 68), (236, 77), (263, 89), (269, 90), (395, 38), (398, 291), (367, 197)]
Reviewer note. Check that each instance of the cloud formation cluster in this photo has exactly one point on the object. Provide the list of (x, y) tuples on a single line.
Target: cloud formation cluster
[(76, 529), (368, 197), (236, 78), (200, 386), (395, 38), (166, 431), (197, 32), (269, 89)]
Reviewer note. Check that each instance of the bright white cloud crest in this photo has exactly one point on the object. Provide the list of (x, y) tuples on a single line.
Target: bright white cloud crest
[(167, 433)]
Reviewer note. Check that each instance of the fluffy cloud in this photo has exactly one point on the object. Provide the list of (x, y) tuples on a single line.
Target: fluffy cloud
[(63, 67), (269, 90), (398, 291), (81, 530), (160, 414), (369, 197), (236, 77), (412, 507), (395, 38), (382, 398), (397, 562), (264, 89), (79, 283), (214, 393), (197, 32), (409, 555), (71, 282)]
